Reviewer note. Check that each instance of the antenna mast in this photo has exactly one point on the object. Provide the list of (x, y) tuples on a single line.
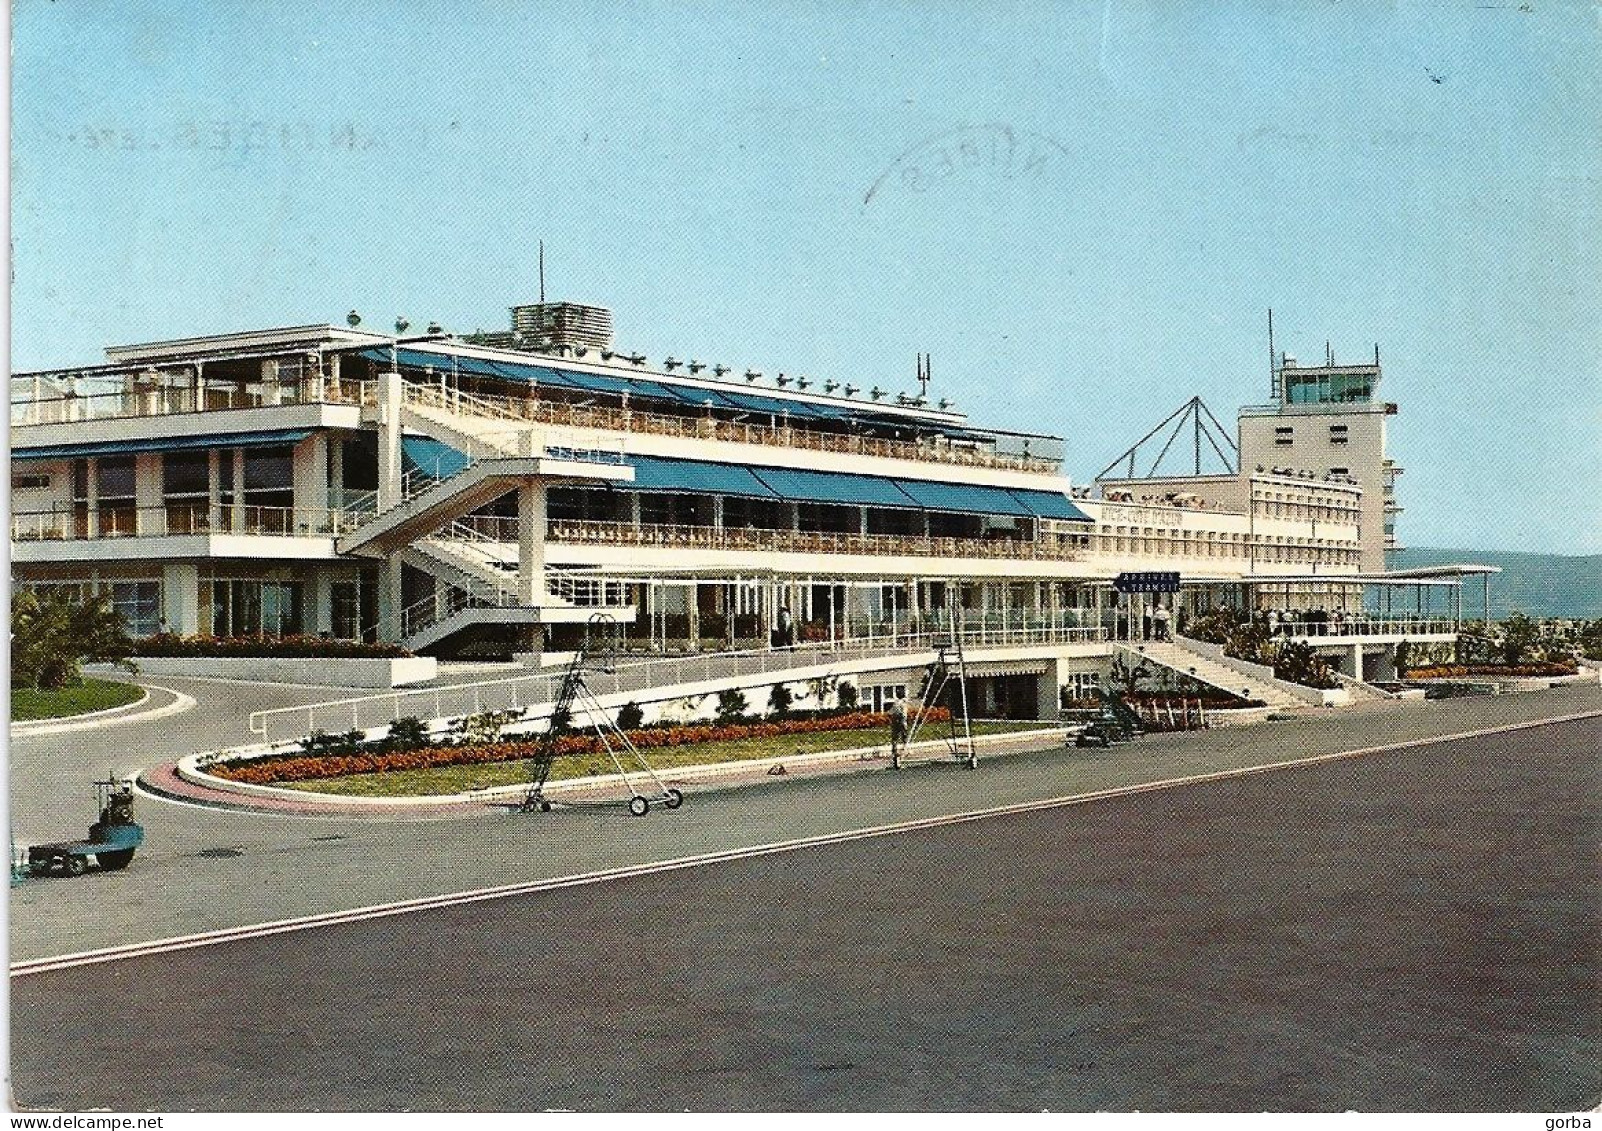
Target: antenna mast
[(1273, 360), (542, 272)]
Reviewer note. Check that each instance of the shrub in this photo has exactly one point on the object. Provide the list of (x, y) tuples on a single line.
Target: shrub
[(846, 696), (53, 635), (630, 717), (780, 700), (407, 733), (732, 704), (1301, 663)]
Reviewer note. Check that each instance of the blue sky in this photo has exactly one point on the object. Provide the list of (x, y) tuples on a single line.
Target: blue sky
[(1082, 211)]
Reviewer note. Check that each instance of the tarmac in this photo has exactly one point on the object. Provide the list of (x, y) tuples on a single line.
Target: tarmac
[(1410, 928)]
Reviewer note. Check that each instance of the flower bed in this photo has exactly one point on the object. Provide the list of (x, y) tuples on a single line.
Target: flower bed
[(1511, 671), (169, 645), (302, 767)]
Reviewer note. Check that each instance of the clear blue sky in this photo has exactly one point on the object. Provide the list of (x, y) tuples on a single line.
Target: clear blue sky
[(708, 171)]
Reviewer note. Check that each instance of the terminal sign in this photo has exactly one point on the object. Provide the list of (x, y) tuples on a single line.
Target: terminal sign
[(1149, 582)]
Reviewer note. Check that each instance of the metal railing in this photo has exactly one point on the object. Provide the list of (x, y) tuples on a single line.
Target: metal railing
[(779, 432), (651, 680), (69, 525), (1367, 626), (1047, 548), (174, 400)]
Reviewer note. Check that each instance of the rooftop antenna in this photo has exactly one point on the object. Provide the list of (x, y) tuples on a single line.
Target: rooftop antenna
[(542, 272), (923, 374), (1273, 358)]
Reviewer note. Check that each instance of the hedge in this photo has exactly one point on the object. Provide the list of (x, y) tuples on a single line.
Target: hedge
[(255, 647)]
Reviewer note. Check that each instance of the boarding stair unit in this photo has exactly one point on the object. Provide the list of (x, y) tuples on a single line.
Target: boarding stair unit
[(1180, 657)]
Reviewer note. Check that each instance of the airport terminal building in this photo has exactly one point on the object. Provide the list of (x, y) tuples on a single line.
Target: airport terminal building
[(483, 496)]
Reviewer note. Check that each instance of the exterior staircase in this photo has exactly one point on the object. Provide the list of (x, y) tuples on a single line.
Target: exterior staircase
[(1197, 665)]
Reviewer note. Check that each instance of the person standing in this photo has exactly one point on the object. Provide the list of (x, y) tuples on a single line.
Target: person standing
[(1160, 620), (898, 731), (1273, 623)]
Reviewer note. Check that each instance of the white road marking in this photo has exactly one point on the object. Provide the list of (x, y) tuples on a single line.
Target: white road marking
[(180, 704), (529, 887)]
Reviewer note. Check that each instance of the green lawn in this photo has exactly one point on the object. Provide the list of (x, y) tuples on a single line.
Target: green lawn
[(460, 779), (90, 695)]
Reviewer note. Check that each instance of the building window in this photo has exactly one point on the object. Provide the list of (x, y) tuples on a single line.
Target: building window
[(1339, 471), (139, 602), (1337, 434), (186, 490), (30, 482), (118, 515), (1284, 436), (253, 608), (881, 696)]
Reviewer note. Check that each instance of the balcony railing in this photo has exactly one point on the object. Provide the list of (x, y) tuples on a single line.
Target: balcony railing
[(776, 433), (173, 400), (1048, 548), (1368, 626), (177, 519)]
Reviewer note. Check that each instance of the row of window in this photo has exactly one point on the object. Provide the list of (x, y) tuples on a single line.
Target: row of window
[(1285, 434)]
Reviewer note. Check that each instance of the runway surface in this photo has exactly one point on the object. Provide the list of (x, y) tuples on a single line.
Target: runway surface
[(1408, 930)]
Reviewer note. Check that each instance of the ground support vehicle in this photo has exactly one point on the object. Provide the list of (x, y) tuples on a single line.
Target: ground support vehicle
[(111, 841)]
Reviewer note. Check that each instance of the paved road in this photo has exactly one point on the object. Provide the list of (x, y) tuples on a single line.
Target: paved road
[(204, 869), (1410, 930)]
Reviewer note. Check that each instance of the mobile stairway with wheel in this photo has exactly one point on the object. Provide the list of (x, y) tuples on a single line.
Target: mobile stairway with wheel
[(595, 654), (949, 664)]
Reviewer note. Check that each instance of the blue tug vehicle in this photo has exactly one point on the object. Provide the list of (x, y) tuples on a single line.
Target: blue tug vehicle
[(111, 842)]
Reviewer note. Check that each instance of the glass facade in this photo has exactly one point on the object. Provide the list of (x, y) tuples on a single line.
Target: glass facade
[(1325, 386), (139, 602), (252, 608)]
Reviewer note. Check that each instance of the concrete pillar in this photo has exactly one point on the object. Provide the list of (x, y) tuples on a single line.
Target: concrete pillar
[(150, 518), (692, 614), (180, 598), (389, 439), (236, 519), (320, 596), (91, 497), (336, 473), (634, 509), (310, 458), (531, 542), (1048, 690), (271, 391), (717, 512), (389, 600), (862, 520), (214, 490)]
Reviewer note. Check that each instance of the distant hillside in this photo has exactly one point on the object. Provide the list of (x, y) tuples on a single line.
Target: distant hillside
[(1538, 585)]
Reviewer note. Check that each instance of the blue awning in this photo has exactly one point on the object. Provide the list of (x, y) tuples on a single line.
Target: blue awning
[(1049, 504), (657, 473), (964, 498), (833, 487), (428, 455), (162, 444)]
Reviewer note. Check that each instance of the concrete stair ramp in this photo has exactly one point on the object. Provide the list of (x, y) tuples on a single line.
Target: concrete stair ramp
[(1201, 667)]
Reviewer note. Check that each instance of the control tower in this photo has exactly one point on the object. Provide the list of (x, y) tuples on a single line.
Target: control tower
[(1328, 420)]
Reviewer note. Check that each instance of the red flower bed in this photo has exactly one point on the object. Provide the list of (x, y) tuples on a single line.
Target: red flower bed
[(1452, 671), (294, 767)]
